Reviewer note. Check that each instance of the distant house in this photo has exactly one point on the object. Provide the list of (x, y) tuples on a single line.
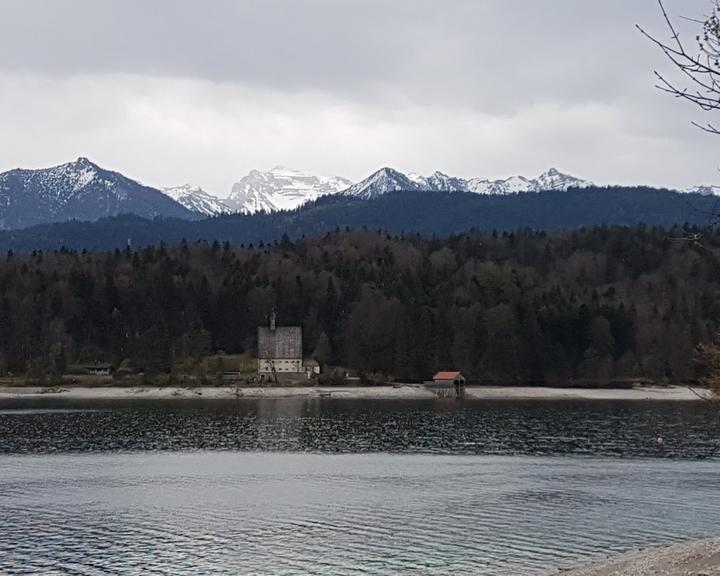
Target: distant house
[(312, 367), (280, 349), (449, 384)]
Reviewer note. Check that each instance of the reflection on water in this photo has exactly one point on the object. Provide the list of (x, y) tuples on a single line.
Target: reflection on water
[(348, 487), (625, 429), (279, 513)]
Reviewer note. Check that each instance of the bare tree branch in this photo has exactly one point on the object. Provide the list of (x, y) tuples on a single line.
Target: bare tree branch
[(700, 66)]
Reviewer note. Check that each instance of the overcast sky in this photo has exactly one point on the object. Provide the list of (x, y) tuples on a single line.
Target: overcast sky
[(198, 91)]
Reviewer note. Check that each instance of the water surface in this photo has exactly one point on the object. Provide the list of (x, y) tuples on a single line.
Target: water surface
[(617, 429), (348, 487)]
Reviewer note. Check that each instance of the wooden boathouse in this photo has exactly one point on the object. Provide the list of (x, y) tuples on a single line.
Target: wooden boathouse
[(448, 384)]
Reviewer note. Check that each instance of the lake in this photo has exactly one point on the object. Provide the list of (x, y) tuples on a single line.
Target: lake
[(348, 487)]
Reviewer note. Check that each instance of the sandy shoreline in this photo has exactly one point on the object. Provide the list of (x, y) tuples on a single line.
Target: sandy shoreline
[(677, 393), (701, 558)]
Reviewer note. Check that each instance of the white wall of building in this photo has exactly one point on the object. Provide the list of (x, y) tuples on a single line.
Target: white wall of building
[(281, 365)]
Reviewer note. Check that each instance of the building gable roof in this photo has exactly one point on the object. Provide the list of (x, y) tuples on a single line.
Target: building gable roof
[(283, 342)]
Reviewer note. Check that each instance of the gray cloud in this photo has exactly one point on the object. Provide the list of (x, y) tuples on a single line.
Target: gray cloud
[(174, 90), (453, 50)]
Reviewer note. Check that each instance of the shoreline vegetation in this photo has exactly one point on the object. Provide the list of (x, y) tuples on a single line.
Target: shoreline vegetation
[(700, 557), (396, 392)]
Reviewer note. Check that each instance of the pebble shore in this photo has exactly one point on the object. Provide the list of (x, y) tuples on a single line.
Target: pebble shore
[(408, 392), (701, 558)]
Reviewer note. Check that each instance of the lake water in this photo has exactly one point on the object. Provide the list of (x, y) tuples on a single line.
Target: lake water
[(348, 487)]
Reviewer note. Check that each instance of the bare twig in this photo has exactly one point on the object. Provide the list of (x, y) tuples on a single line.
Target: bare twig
[(701, 69), (701, 396)]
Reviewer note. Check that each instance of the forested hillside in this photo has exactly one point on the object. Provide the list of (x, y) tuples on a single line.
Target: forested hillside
[(511, 307), (426, 212)]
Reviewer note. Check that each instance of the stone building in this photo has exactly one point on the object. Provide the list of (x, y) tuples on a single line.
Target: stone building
[(280, 349)]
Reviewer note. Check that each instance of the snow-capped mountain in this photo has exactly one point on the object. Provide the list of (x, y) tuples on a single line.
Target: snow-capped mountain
[(388, 180), (82, 190), (78, 190), (280, 189), (197, 200), (285, 189), (512, 185), (441, 182), (383, 181), (553, 179)]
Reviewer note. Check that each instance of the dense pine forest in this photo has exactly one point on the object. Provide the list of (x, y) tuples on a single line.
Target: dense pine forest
[(528, 307)]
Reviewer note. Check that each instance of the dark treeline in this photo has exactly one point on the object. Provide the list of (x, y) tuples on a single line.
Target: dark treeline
[(427, 213), (503, 307)]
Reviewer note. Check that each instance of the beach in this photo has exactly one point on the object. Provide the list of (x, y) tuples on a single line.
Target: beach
[(409, 392), (701, 558)]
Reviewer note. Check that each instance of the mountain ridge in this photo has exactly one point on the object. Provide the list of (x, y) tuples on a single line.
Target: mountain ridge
[(283, 188), (411, 212), (390, 180), (82, 190)]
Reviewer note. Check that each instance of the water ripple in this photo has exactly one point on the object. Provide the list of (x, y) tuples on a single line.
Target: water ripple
[(336, 488), (613, 429), (245, 513)]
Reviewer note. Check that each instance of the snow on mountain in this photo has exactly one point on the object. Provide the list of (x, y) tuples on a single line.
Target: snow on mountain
[(280, 189), (285, 189), (512, 185), (197, 200), (553, 179), (388, 180), (550, 180), (704, 190), (82, 190), (77, 190), (439, 182)]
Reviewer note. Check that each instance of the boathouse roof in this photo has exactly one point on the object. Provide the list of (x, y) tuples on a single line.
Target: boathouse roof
[(447, 375)]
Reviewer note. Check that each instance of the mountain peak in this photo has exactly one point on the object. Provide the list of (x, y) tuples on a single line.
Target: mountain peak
[(281, 188), (384, 180), (82, 164), (553, 179), (77, 190), (194, 198), (386, 172)]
